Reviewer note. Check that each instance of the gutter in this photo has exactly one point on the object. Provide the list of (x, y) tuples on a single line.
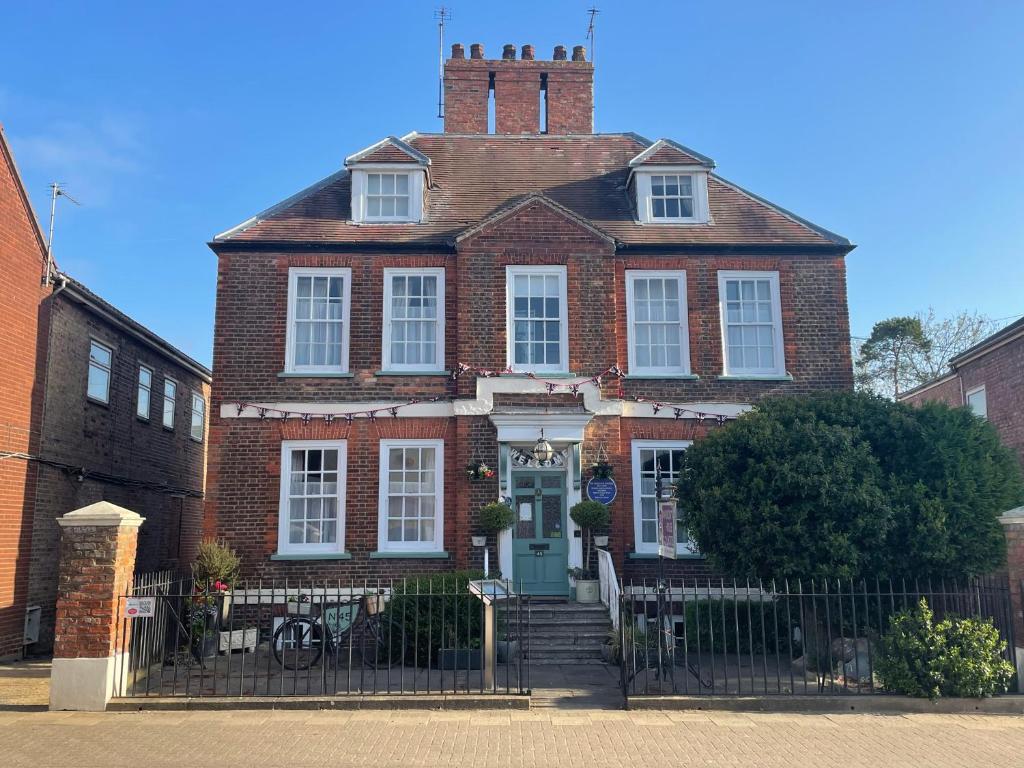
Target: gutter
[(141, 333)]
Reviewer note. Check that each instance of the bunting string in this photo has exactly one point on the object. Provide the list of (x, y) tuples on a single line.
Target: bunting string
[(551, 387)]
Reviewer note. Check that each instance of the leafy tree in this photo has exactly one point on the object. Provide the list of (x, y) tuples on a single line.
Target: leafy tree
[(894, 359), (947, 338), (885, 358), (839, 485)]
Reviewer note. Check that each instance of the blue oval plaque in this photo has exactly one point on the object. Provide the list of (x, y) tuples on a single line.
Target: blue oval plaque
[(602, 489)]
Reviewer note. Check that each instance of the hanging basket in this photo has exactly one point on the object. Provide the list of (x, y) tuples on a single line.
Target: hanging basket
[(601, 469), (477, 470)]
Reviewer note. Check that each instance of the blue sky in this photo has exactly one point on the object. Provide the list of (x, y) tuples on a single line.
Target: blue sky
[(897, 124)]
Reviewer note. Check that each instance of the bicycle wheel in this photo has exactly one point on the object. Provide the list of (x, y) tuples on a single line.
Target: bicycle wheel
[(298, 643)]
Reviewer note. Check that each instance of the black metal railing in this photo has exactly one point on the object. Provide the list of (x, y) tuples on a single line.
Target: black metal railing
[(743, 638), (324, 638)]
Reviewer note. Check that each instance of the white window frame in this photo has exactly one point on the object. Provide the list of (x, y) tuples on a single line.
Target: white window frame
[(108, 369), (163, 403), (976, 391), (684, 347), (149, 394), (644, 203), (511, 271), (639, 545), (360, 185), (778, 336), (386, 363), (437, 544), (202, 416), (294, 273), (284, 547)]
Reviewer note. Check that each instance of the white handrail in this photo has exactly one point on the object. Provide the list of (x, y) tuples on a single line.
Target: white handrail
[(609, 585)]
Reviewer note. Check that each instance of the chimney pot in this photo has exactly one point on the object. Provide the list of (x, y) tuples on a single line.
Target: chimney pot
[(509, 51), (527, 54), (458, 52), (579, 53), (476, 51), (559, 53)]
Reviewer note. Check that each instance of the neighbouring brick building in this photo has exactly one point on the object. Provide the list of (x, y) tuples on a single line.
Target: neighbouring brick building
[(95, 407), (446, 301), (989, 379)]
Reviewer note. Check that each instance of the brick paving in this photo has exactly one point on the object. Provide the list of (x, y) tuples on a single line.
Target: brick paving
[(590, 738)]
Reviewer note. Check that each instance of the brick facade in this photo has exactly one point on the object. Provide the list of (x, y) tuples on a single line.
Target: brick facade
[(562, 201), (518, 87), (126, 460), (22, 265), (249, 350), (996, 364)]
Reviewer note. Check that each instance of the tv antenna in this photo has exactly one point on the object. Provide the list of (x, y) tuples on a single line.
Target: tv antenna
[(56, 190), (592, 32), (442, 15)]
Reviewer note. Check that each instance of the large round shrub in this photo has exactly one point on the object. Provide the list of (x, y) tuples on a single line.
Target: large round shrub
[(496, 517), (842, 485)]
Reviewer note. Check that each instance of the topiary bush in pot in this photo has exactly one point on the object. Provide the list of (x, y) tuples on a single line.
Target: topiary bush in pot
[(495, 518)]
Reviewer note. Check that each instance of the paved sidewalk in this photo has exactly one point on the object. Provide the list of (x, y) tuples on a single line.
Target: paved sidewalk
[(584, 738)]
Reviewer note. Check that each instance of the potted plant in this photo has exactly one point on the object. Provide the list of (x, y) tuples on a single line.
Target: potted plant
[(589, 516), (299, 605), (601, 469), (495, 518), (478, 470), (214, 571)]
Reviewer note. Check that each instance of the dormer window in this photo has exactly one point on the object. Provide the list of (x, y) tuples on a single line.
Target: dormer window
[(388, 182), (671, 196), (387, 196)]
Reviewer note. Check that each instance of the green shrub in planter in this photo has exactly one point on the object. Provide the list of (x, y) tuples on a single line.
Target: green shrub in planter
[(496, 517), (757, 632), (216, 561), (956, 657), (590, 516), (427, 613)]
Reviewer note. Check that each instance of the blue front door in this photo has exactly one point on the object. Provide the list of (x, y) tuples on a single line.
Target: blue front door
[(540, 549)]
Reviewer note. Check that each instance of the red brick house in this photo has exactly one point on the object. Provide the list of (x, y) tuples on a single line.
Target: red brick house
[(989, 379), (444, 300), (94, 407)]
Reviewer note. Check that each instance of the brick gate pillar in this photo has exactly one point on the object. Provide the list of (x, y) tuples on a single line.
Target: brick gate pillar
[(97, 559), (1013, 527)]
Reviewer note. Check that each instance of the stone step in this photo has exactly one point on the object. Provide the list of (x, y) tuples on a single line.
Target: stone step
[(565, 655), (569, 633)]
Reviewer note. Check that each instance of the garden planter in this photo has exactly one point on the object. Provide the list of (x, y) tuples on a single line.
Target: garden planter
[(600, 541), (459, 658), (299, 609), (608, 653), (224, 608), (588, 591)]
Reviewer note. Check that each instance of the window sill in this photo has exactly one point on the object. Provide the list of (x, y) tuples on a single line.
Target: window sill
[(539, 375), (755, 377), (412, 373), (655, 376), (654, 556), (94, 401), (408, 555), (314, 375), (312, 556)]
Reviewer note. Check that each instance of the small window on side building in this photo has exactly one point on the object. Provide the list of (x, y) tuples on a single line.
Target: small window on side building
[(101, 359), (170, 394), (977, 401)]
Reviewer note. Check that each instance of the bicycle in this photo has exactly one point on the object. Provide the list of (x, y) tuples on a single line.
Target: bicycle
[(357, 625)]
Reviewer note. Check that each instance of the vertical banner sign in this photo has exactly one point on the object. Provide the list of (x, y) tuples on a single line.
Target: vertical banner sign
[(667, 528)]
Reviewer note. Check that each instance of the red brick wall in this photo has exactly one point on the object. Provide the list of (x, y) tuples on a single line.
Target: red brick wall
[(21, 270), (1001, 372), (249, 351), (517, 89), (95, 570), (110, 441)]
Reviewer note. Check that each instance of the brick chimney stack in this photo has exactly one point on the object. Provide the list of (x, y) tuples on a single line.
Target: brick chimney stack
[(518, 86)]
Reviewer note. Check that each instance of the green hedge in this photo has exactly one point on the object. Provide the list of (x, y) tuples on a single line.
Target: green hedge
[(704, 623)]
